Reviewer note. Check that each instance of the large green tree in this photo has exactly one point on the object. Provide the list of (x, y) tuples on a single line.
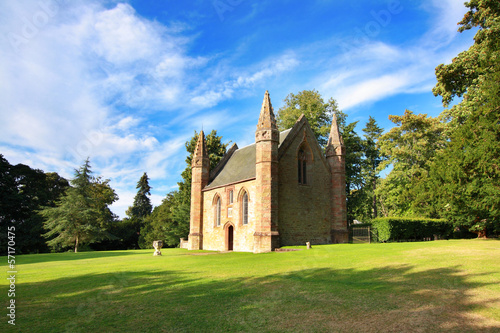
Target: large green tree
[(410, 147), (318, 113), (373, 158), (82, 215), (468, 169), (142, 204), (137, 213), (464, 75), (23, 191)]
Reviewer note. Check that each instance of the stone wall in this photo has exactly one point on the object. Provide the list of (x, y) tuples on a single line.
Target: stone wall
[(304, 209), (215, 237)]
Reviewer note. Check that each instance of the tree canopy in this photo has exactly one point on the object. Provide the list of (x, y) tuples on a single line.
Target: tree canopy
[(318, 113), (82, 215), (23, 192)]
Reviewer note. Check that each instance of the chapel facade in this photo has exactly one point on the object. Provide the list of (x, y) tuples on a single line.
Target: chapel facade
[(282, 190)]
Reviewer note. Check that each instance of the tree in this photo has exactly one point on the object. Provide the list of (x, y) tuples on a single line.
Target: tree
[(137, 213), (468, 168), (318, 113), (164, 224), (82, 215), (470, 68), (410, 148), (373, 158), (355, 181), (142, 204), (23, 191)]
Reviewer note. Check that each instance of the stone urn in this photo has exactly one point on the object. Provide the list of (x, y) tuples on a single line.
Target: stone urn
[(157, 244)]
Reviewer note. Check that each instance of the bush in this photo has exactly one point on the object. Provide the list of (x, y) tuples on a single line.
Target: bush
[(404, 229)]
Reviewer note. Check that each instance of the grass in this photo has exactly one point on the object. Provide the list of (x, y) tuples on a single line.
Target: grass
[(398, 287)]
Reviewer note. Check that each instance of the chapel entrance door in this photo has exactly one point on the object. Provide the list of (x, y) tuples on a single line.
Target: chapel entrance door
[(230, 237)]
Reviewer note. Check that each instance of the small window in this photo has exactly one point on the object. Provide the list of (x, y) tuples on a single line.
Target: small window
[(217, 212), (230, 197), (302, 167), (244, 208)]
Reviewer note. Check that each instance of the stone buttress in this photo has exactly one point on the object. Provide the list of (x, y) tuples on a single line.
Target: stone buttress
[(335, 156), (200, 175), (266, 236)]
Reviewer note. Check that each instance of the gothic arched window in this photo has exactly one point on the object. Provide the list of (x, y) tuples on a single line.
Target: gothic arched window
[(302, 166), (217, 211), (244, 208)]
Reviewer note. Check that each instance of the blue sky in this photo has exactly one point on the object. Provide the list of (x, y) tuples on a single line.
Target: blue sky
[(128, 82)]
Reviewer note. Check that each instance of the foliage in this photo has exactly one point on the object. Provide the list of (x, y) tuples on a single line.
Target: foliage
[(403, 229), (469, 167), (82, 215), (469, 68), (318, 113), (23, 191), (368, 207), (410, 148), (164, 224), (140, 209), (354, 162), (142, 204)]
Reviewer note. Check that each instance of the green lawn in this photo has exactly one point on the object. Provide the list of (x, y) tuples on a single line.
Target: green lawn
[(398, 287)]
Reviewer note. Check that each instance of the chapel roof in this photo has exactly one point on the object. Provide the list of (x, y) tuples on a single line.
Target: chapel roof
[(238, 165)]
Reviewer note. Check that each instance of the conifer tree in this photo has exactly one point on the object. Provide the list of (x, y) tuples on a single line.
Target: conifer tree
[(142, 204), (82, 215), (373, 158)]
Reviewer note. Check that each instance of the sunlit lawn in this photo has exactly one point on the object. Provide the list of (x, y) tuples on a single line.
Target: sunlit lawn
[(399, 287)]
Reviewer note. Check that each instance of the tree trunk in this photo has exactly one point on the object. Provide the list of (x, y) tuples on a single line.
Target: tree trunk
[(76, 244), (375, 213)]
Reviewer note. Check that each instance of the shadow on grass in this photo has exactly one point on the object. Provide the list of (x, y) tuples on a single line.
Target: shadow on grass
[(46, 257), (392, 299)]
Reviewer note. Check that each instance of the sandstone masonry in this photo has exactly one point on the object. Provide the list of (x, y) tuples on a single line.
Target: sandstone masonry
[(280, 191)]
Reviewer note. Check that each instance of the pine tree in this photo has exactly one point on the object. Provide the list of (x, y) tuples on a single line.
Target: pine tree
[(142, 204), (82, 215), (373, 158)]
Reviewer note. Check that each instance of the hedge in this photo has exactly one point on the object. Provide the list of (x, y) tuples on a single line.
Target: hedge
[(404, 229)]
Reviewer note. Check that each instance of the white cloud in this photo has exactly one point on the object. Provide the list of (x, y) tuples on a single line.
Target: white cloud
[(371, 70), (227, 80), (66, 73)]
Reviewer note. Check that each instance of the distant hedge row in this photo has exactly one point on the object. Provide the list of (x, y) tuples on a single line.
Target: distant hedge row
[(404, 229)]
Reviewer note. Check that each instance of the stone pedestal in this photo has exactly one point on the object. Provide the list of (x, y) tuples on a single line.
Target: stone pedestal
[(157, 244)]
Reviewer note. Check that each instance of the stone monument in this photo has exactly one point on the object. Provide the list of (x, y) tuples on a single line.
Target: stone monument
[(157, 244)]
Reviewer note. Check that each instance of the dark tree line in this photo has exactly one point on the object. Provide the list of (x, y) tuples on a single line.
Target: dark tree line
[(24, 191)]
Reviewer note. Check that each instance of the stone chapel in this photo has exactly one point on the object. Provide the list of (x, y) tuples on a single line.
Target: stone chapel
[(282, 190)]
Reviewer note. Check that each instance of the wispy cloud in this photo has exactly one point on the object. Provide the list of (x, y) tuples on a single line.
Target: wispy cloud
[(370, 70)]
